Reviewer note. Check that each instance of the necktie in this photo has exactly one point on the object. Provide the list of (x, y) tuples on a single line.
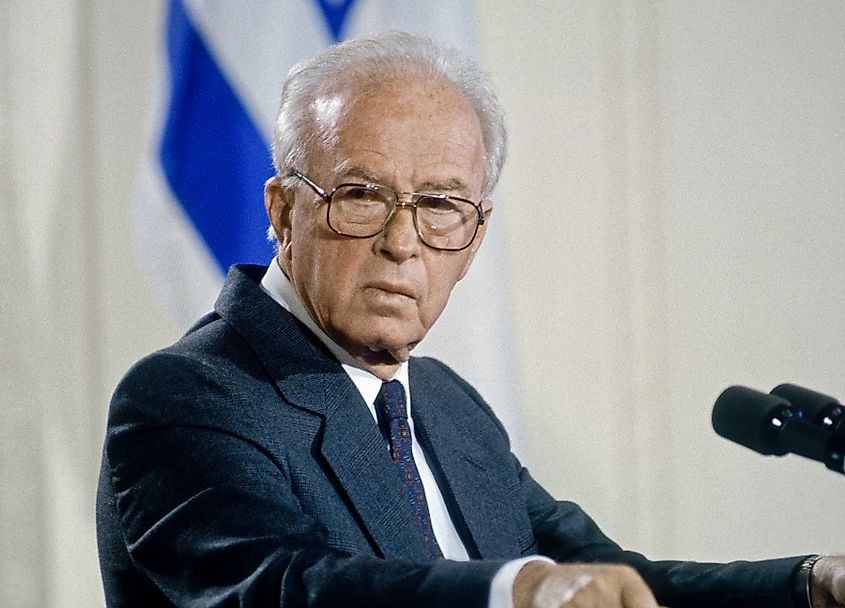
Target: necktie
[(391, 402)]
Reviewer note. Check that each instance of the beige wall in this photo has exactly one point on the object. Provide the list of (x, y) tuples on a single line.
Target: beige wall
[(673, 203), (672, 211)]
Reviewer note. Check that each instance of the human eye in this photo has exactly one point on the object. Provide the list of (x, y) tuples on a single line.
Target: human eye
[(359, 205), (441, 205), (360, 194)]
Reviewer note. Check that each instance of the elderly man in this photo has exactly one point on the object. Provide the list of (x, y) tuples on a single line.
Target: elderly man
[(288, 450)]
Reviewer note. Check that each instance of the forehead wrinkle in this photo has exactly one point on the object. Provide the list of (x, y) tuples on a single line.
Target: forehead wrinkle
[(447, 184), (452, 184), (347, 168), (431, 172)]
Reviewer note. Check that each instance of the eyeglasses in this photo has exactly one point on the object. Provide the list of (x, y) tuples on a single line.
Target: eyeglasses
[(447, 223)]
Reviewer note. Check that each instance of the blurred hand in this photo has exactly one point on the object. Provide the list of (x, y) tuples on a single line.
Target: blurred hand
[(544, 585), (827, 582)]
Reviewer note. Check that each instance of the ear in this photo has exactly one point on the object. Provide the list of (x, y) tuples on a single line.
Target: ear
[(278, 201), (486, 211)]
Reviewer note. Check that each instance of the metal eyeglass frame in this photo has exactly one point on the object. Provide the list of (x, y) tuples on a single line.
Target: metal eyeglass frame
[(327, 196)]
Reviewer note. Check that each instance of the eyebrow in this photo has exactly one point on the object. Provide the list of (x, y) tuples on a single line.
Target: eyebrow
[(356, 171), (444, 185)]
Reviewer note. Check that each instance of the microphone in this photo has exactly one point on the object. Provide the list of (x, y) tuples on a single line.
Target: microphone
[(822, 410), (771, 425)]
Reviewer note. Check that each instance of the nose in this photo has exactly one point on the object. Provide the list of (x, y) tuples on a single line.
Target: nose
[(399, 240)]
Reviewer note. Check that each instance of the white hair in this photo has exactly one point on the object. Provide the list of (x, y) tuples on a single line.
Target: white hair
[(385, 56)]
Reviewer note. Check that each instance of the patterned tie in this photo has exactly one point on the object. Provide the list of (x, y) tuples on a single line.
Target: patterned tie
[(391, 402)]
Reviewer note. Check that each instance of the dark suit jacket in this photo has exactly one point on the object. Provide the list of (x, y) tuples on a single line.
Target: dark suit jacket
[(242, 468)]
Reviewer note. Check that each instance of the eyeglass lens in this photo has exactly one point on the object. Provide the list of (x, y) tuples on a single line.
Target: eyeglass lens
[(364, 210)]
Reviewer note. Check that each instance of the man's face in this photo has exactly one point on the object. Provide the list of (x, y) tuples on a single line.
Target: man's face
[(377, 297)]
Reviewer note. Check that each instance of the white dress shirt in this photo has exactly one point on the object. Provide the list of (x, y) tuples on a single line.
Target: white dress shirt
[(278, 287)]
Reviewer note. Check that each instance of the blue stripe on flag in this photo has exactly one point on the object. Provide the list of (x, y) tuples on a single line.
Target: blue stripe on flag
[(335, 12), (212, 155)]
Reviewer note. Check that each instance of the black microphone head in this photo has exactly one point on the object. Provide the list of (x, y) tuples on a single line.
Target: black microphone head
[(822, 409), (751, 418)]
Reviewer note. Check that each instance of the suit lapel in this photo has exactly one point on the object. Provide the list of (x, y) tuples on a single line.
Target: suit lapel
[(356, 452), (473, 482), (310, 378)]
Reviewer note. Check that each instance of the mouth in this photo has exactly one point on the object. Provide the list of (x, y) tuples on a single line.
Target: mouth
[(393, 289)]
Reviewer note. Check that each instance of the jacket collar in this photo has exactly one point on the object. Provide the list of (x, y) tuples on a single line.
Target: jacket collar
[(309, 377)]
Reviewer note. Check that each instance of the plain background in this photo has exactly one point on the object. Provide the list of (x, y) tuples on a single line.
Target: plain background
[(672, 212)]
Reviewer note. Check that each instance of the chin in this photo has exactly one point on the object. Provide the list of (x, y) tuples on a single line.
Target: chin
[(394, 346), (393, 332), (390, 346), (378, 334)]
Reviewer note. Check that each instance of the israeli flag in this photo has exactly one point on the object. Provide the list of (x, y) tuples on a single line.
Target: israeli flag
[(200, 208)]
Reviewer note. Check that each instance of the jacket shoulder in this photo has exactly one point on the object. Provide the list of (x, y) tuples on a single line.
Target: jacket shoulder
[(190, 380), (435, 371)]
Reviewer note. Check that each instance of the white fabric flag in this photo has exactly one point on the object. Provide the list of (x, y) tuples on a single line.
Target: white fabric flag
[(200, 208)]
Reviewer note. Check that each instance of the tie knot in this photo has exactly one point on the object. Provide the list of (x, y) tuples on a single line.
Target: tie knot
[(391, 398)]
